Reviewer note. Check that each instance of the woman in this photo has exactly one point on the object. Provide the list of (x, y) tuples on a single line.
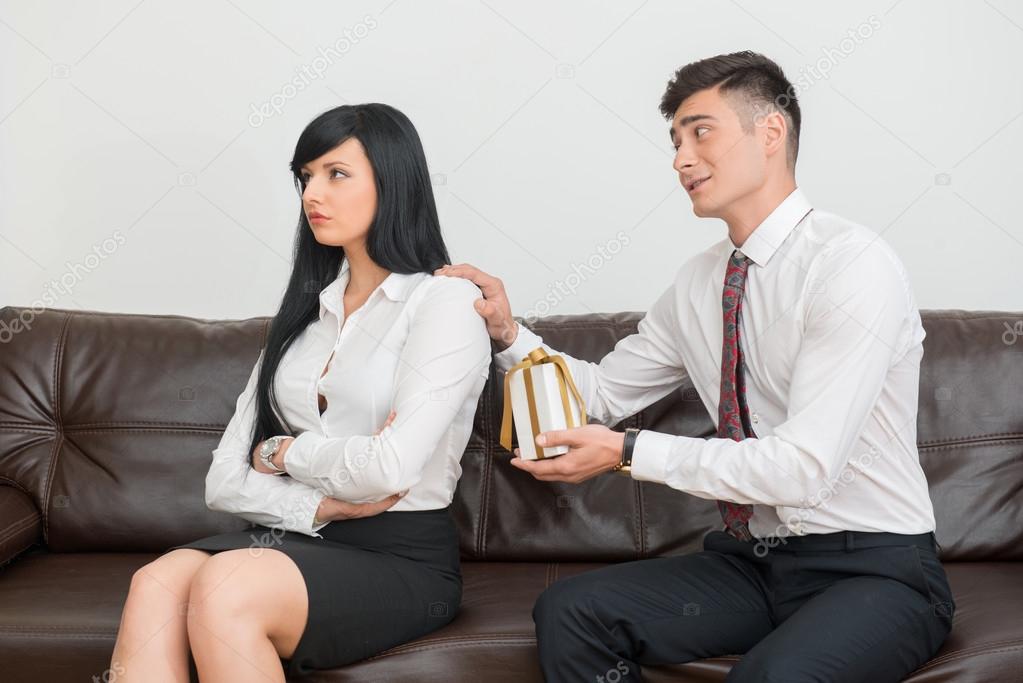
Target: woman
[(376, 369)]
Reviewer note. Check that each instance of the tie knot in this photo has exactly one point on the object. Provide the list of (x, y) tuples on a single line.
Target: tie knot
[(740, 259)]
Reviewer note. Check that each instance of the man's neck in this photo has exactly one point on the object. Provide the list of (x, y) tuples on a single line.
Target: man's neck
[(745, 215)]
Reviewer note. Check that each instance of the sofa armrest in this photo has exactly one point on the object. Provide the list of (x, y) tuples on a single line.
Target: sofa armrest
[(21, 525)]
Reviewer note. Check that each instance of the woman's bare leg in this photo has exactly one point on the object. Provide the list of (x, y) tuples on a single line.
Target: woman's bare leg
[(152, 640), (246, 610)]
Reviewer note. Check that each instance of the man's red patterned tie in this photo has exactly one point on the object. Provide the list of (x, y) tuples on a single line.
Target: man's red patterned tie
[(733, 415)]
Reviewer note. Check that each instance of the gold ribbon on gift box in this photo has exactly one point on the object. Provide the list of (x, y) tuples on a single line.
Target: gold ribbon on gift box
[(539, 357)]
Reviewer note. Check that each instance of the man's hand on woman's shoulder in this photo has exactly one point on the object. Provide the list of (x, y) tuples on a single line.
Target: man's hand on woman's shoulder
[(493, 307)]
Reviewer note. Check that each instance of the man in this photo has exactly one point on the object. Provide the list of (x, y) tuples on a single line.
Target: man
[(801, 335)]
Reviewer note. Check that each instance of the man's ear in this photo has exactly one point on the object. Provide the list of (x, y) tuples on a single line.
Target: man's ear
[(774, 133)]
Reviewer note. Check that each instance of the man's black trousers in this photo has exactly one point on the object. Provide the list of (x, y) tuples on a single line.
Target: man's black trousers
[(849, 606)]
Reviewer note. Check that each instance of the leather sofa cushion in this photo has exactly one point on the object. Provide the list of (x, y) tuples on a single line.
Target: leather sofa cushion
[(59, 615), (21, 525)]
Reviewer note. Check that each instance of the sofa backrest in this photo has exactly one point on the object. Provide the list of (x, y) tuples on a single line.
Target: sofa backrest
[(107, 421)]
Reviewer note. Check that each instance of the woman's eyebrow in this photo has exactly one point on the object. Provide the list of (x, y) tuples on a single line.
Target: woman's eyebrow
[(327, 164)]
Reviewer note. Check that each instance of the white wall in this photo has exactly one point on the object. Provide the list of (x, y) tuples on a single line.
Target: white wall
[(135, 177)]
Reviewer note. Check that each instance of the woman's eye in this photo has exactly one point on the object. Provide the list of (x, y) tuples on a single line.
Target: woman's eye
[(337, 170)]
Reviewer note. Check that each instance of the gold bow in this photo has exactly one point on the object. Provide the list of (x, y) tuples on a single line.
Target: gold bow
[(538, 357)]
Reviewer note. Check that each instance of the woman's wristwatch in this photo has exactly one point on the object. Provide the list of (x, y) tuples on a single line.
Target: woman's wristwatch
[(268, 450), (625, 465)]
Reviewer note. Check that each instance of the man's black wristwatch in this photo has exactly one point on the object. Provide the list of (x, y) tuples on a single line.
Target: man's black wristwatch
[(625, 466)]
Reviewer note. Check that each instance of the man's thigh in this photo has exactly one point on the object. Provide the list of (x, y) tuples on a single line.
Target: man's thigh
[(865, 628), (658, 611)]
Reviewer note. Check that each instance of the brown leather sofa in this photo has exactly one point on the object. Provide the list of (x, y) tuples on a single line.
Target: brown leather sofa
[(107, 422)]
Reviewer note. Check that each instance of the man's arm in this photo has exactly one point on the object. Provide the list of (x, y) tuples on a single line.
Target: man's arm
[(641, 368), (856, 330)]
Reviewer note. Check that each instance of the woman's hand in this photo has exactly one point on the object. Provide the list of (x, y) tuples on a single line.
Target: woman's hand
[(332, 509), (390, 419)]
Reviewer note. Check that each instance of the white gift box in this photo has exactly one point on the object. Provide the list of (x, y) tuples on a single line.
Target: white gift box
[(541, 397)]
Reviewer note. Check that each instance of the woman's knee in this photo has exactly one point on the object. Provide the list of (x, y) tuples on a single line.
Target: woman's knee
[(236, 583), (219, 588), (167, 579), (236, 592)]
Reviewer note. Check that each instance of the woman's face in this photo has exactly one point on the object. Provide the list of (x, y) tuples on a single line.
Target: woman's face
[(339, 196)]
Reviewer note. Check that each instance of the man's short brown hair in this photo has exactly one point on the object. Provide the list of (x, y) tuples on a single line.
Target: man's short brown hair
[(751, 82)]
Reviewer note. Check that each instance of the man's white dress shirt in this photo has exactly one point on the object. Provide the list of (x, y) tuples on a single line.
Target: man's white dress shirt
[(416, 345), (831, 338)]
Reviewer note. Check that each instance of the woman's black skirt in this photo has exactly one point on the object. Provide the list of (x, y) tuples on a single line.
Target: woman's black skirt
[(373, 582)]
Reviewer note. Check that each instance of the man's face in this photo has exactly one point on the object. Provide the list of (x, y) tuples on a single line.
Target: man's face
[(711, 146)]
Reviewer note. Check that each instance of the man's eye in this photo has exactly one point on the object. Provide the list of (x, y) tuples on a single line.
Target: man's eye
[(699, 129)]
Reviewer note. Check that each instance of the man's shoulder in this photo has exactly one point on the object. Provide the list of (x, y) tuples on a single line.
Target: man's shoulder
[(838, 242)]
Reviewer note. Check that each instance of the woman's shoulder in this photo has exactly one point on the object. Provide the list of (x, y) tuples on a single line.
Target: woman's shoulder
[(445, 287), (449, 300)]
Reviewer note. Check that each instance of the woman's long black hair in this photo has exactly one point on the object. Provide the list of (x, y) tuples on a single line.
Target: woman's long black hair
[(404, 236)]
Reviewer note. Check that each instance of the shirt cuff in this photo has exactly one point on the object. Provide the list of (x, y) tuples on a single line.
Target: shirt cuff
[(297, 457), (650, 456), (525, 341), (313, 528)]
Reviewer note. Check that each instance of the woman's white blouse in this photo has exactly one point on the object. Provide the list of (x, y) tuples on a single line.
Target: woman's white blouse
[(418, 346)]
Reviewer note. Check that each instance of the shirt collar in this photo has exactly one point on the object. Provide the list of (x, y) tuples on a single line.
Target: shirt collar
[(765, 239), (396, 286)]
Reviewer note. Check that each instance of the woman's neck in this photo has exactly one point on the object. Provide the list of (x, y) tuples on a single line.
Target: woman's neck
[(364, 275)]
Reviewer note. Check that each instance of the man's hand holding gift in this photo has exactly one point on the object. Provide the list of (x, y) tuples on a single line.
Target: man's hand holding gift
[(592, 449)]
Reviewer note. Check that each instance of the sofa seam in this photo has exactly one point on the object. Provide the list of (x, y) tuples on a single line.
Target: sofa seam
[(17, 485), (950, 446), (22, 524), (17, 553), (55, 454), (461, 642), (144, 430), (968, 653), (164, 423)]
